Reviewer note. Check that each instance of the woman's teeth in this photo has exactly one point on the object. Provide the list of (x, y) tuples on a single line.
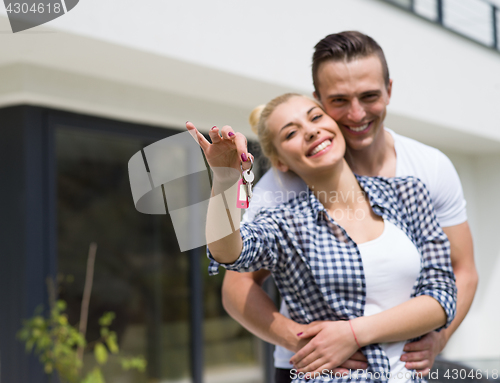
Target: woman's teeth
[(359, 128), (320, 147)]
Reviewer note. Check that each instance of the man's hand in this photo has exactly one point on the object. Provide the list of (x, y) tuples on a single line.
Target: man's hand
[(420, 355), (357, 361), (330, 345)]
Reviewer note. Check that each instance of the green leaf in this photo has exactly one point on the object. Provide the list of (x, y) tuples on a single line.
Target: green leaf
[(138, 363), (29, 345), (107, 319), (45, 341), (80, 341), (104, 332), (112, 343), (61, 305), (100, 353), (38, 321), (63, 320), (94, 376), (36, 333)]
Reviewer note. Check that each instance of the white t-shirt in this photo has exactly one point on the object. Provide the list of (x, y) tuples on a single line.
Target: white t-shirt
[(412, 159), (391, 265)]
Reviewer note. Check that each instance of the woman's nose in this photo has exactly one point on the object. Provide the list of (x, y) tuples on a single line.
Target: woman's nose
[(311, 133)]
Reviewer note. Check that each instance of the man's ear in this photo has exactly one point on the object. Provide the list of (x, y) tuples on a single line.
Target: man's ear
[(316, 96), (389, 90)]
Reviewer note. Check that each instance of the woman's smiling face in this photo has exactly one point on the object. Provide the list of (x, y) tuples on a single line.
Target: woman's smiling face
[(305, 137)]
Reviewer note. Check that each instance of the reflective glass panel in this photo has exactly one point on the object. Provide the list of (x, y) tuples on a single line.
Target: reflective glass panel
[(140, 273)]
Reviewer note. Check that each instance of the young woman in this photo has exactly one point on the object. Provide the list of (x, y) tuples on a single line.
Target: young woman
[(364, 253)]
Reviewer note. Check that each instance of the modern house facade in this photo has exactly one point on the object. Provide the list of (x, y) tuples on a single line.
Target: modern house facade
[(82, 94)]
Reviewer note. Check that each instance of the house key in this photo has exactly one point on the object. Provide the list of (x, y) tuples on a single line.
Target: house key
[(245, 188), (248, 178)]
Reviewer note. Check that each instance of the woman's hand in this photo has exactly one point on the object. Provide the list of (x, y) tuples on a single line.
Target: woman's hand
[(332, 347), (227, 150), (224, 155)]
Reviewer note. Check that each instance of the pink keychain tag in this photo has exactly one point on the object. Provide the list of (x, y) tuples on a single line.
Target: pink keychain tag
[(242, 198)]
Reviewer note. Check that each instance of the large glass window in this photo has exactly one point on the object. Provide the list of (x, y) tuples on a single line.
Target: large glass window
[(140, 273)]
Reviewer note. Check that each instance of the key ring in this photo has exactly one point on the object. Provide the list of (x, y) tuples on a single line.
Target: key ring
[(249, 169)]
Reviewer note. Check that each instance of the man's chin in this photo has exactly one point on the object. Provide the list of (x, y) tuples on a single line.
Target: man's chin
[(359, 143)]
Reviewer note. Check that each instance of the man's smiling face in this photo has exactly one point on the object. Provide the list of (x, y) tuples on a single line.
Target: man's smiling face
[(355, 95)]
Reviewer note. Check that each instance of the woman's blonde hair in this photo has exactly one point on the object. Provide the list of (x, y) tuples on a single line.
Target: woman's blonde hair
[(258, 121)]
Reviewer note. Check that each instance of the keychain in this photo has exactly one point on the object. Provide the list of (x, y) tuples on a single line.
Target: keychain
[(245, 187)]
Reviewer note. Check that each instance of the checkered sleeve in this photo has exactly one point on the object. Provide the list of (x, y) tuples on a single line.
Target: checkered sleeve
[(436, 278), (262, 240)]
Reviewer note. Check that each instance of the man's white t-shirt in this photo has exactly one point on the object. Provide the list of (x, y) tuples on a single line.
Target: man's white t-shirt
[(412, 159)]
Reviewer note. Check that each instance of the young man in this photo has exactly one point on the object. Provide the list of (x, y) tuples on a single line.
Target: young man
[(351, 80)]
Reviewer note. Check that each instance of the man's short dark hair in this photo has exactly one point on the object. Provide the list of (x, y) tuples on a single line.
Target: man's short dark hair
[(346, 46)]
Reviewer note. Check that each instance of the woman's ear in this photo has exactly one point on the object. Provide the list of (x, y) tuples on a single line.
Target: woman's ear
[(281, 166)]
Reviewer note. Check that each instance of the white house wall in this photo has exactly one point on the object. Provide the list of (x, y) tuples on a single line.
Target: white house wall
[(477, 340), (439, 78)]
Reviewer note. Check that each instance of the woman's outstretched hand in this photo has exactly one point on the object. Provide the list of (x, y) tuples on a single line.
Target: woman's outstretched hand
[(227, 150), (226, 155)]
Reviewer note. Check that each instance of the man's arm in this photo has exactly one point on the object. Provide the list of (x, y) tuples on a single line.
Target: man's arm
[(246, 301), (464, 267), (421, 354)]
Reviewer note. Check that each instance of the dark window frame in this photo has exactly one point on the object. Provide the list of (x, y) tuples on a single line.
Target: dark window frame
[(29, 167), (440, 20)]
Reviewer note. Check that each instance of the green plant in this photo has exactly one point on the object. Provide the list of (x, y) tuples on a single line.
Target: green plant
[(60, 346)]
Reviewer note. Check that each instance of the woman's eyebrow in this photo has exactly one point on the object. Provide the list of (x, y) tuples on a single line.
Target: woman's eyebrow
[(310, 110), (292, 123), (287, 125)]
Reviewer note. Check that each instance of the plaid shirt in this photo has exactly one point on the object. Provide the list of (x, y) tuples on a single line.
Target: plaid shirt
[(318, 269)]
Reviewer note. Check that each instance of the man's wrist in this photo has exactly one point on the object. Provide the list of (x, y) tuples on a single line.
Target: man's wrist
[(444, 337)]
